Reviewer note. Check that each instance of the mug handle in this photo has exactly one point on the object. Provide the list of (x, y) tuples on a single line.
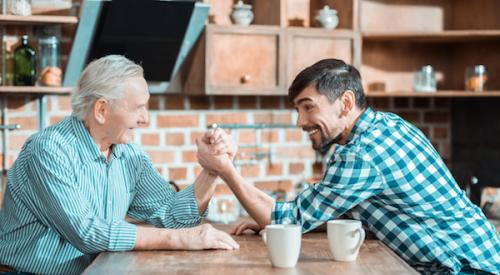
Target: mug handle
[(264, 235), (361, 239)]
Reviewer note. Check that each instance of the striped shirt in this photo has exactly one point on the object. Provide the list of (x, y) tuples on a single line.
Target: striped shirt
[(389, 176), (65, 202)]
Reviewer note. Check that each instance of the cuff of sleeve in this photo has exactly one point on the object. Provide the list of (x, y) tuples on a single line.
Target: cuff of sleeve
[(122, 236), (186, 207)]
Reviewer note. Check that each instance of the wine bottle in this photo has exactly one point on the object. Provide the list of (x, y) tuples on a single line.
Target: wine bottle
[(24, 64)]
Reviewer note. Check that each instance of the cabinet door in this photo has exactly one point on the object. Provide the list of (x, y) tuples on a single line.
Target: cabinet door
[(306, 47), (244, 60)]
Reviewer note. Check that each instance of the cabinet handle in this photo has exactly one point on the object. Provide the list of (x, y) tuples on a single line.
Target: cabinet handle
[(245, 79)]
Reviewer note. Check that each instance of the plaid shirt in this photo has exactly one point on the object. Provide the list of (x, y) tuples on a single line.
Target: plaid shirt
[(390, 178)]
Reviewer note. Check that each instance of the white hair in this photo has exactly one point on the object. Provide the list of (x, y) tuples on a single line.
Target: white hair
[(102, 78)]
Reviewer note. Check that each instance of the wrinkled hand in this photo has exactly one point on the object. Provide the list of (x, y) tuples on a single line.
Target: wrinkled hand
[(205, 236), (241, 227), (220, 143)]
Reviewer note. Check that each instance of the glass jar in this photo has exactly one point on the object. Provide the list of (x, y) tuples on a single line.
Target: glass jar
[(49, 69), (19, 7), (476, 78), (425, 80)]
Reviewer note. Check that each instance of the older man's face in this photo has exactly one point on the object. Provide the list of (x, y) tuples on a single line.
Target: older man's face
[(128, 113)]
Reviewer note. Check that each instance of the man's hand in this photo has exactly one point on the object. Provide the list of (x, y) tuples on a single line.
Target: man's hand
[(241, 227), (205, 236), (220, 143), (215, 163)]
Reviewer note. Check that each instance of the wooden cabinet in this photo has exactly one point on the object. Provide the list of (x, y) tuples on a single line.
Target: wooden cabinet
[(388, 40), (306, 47), (400, 36)]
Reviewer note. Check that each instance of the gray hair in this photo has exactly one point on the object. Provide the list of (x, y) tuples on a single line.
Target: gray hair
[(102, 78)]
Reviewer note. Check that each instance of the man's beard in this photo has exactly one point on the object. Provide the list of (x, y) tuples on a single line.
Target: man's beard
[(326, 144)]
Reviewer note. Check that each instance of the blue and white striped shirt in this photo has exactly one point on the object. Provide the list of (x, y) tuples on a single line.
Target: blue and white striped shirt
[(65, 202), (389, 176)]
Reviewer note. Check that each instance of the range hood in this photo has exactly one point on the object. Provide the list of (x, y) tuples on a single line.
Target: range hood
[(156, 34)]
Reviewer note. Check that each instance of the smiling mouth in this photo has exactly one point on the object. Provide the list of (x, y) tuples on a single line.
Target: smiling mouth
[(312, 132)]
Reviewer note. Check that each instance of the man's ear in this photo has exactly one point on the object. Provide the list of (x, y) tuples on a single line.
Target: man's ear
[(101, 107), (348, 101)]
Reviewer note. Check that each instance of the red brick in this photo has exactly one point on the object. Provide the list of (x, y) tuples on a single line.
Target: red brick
[(247, 137), (195, 135), (436, 117), (227, 118), (177, 173), (27, 123), (223, 102), (425, 130), (199, 102), (270, 136), (222, 189), (270, 102), (154, 102), (174, 139), (56, 119), (401, 102), (174, 102), (161, 157), (410, 116), (250, 170), (440, 132), (166, 121), (150, 139), (295, 168), (275, 169), (271, 118), (189, 156), (380, 102), (285, 185), (295, 152), (441, 102), (247, 102), (293, 135), (16, 141), (421, 102), (64, 103), (16, 104)]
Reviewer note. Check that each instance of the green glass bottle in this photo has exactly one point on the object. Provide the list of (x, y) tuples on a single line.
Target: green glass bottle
[(24, 64)]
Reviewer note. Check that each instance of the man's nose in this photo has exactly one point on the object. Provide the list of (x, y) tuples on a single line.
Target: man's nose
[(143, 118), (300, 120)]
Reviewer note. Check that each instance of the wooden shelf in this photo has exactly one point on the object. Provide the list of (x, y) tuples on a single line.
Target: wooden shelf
[(444, 36), (34, 90), (37, 19), (449, 94)]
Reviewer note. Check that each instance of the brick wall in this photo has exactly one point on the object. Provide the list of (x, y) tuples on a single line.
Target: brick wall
[(175, 122)]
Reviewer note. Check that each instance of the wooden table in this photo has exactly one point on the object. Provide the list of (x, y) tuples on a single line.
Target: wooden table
[(315, 258)]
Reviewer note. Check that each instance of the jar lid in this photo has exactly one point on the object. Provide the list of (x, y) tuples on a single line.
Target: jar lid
[(326, 10), (427, 69), (242, 6), (479, 69)]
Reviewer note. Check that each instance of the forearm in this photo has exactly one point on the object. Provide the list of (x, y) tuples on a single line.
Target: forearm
[(257, 203), (152, 238), (204, 187)]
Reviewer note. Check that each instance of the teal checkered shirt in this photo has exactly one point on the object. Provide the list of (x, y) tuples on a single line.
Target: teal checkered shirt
[(65, 202), (390, 178)]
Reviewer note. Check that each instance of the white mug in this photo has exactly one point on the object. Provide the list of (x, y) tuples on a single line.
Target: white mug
[(345, 238), (283, 243)]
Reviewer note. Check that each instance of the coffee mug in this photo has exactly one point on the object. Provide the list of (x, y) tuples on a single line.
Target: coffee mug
[(283, 243), (345, 238)]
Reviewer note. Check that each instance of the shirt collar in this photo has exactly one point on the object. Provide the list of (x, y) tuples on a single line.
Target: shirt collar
[(89, 151), (364, 121)]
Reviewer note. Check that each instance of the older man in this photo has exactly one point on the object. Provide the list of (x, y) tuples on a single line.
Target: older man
[(382, 171), (73, 183)]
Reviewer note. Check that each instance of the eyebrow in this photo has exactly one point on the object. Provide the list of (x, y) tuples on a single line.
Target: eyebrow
[(303, 100)]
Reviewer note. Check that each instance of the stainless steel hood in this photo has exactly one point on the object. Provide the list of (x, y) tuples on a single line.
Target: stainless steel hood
[(156, 34)]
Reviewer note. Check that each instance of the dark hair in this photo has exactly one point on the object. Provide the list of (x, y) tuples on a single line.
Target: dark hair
[(331, 77)]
